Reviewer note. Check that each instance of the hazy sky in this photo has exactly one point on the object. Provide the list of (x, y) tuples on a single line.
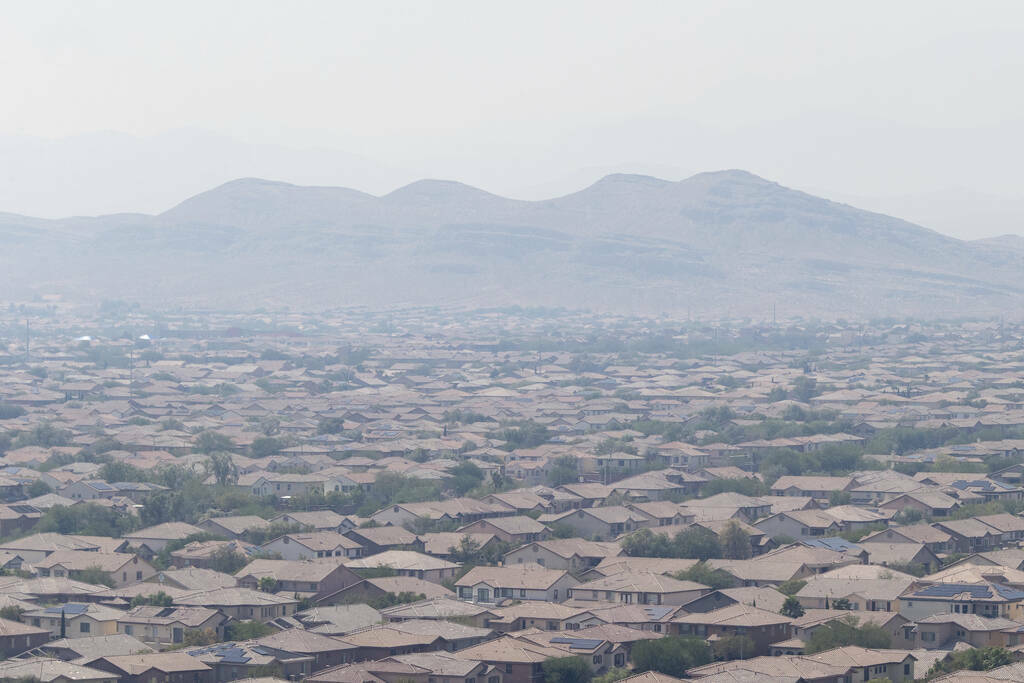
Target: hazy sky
[(918, 104)]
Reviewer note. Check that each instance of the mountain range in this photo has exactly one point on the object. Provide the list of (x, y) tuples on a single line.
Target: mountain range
[(724, 243)]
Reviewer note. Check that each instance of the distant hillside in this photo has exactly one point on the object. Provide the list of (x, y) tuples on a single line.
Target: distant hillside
[(727, 243)]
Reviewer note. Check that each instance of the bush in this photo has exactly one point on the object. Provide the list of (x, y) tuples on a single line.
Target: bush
[(671, 655), (566, 670), (845, 631)]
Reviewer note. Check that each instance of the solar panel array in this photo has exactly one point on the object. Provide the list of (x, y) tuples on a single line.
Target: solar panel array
[(70, 608), (226, 652), (657, 612), (578, 643), (948, 590)]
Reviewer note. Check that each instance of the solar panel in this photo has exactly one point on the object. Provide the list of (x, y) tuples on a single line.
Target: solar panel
[(657, 612), (948, 590), (235, 659), (70, 608), (260, 650), (578, 643)]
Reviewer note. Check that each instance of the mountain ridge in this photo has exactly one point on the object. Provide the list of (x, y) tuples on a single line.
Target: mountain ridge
[(718, 241)]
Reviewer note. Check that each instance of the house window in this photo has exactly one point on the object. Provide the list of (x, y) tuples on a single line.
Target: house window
[(127, 630), (84, 627), (508, 668), (906, 669), (522, 592), (597, 659), (928, 636)]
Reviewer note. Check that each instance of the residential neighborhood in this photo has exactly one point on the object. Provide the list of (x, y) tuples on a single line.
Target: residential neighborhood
[(430, 495)]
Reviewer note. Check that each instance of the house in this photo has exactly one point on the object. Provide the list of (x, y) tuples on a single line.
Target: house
[(232, 661), (287, 485), (799, 524), (75, 620), (514, 530), (731, 504), (934, 539), (641, 588), (417, 667), (663, 513), (168, 625), (321, 520), (901, 555), (521, 582), (376, 540), (313, 545), (381, 586), (570, 554), (868, 594), (520, 500), (760, 626), (599, 523), (88, 489), (208, 554), (337, 620), (120, 568), (36, 547), (442, 544), (944, 631), (983, 598), (17, 637), (518, 660), (762, 597), (325, 651), (159, 667), (442, 608), (810, 486), (232, 527), (970, 535), (192, 579), (69, 649), (241, 603), (151, 540), (405, 637), (929, 503), (803, 627), (305, 578), (49, 670), (408, 563)]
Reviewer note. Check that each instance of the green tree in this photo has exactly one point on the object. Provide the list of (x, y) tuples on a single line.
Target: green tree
[(223, 468), (159, 599), (845, 631), (702, 573), (612, 675), (247, 630), (11, 613), (975, 659), (564, 470), (735, 542), (210, 441), (697, 543), (268, 584), (464, 478), (227, 561), (38, 488), (671, 655), (792, 608), (566, 670), (839, 498), (791, 587), (734, 647), (96, 576), (842, 603)]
